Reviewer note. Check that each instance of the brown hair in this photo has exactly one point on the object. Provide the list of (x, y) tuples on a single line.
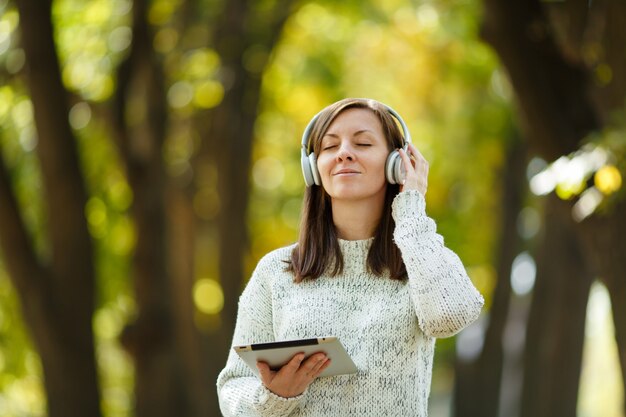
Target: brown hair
[(318, 248)]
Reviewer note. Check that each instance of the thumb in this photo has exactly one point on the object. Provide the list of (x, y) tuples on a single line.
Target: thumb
[(265, 372)]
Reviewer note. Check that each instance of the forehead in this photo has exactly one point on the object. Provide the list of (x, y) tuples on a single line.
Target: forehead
[(356, 119)]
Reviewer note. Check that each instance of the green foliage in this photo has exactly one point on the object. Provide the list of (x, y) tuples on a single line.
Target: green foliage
[(91, 38), (21, 386)]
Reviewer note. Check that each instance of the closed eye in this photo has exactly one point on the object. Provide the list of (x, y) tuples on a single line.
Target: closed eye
[(364, 144), (329, 147)]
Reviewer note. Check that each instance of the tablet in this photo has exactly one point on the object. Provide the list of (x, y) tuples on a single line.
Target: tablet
[(277, 354)]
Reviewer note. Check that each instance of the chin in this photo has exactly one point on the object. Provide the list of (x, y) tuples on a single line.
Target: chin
[(351, 194), (338, 194)]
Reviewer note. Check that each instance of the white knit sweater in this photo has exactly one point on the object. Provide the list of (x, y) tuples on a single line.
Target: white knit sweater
[(387, 326)]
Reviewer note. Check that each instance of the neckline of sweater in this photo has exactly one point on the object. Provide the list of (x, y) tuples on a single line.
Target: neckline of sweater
[(360, 243)]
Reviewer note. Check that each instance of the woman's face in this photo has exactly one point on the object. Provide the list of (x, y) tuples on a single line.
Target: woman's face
[(351, 161)]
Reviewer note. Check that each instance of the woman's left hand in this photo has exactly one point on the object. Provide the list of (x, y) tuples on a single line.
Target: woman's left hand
[(416, 170)]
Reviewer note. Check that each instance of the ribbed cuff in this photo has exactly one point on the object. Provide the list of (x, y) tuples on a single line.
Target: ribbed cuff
[(408, 204), (270, 404), (409, 212)]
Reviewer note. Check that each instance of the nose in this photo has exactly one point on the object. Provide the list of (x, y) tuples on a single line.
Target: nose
[(345, 153)]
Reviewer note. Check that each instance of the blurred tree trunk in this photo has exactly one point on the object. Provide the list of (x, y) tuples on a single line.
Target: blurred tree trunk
[(603, 235), (228, 131), (162, 339), (56, 294), (478, 383), (542, 47), (608, 232), (176, 366), (556, 325)]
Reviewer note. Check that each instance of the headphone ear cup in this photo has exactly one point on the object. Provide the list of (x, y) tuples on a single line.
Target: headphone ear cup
[(394, 168), (314, 171), (305, 162)]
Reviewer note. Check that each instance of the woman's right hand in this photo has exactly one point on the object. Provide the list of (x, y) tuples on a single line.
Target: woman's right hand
[(293, 378)]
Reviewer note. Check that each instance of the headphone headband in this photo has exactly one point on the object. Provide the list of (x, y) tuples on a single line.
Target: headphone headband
[(406, 136)]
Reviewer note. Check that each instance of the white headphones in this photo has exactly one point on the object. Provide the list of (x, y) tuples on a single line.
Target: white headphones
[(394, 168)]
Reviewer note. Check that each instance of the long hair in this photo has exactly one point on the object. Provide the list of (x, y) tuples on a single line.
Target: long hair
[(318, 249)]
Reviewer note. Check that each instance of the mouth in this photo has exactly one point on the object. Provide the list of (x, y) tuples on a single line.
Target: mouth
[(346, 172)]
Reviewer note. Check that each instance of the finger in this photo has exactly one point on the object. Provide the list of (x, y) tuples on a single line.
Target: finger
[(311, 363), (325, 365), (294, 364), (405, 159), (414, 151), (420, 164), (318, 367)]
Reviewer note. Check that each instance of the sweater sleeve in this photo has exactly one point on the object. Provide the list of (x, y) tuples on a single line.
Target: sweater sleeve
[(444, 297), (240, 392)]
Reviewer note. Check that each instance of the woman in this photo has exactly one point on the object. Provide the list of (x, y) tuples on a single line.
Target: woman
[(368, 268)]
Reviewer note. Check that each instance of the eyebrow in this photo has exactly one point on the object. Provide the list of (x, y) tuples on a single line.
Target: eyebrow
[(358, 132)]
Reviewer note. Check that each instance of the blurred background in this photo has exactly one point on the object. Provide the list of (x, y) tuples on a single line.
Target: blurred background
[(150, 157)]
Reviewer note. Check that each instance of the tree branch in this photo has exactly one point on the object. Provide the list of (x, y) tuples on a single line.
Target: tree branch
[(140, 142), (65, 191), (125, 73), (553, 92), (19, 255)]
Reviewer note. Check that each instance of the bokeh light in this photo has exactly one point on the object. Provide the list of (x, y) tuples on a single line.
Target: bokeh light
[(208, 296), (268, 173), (608, 179), (523, 274), (80, 115)]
